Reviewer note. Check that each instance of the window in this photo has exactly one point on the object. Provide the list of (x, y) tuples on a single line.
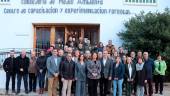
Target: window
[(47, 34), (140, 2), (60, 31), (92, 34), (5, 0), (42, 37)]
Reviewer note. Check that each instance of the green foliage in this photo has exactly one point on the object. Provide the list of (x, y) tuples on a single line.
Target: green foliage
[(148, 32)]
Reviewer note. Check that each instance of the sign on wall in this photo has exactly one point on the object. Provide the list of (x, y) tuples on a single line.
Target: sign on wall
[(63, 7)]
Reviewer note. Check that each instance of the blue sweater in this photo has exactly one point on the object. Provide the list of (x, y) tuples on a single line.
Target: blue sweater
[(149, 67)]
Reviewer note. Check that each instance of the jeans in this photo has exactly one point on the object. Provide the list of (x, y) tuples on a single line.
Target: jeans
[(119, 83), (25, 78), (80, 88), (41, 78), (140, 90), (8, 76)]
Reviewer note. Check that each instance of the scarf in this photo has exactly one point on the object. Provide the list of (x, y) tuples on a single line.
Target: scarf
[(139, 66)]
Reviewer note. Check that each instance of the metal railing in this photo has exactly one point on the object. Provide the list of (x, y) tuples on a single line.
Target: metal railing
[(5, 53)]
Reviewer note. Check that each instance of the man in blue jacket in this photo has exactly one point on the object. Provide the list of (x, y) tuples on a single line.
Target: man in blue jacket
[(53, 63), (149, 63)]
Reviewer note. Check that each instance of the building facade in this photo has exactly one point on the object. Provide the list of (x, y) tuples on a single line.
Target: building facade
[(37, 23)]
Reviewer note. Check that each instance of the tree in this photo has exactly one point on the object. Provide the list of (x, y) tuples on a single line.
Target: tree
[(148, 32)]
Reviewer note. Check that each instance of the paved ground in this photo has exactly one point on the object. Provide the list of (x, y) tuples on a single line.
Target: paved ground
[(2, 92)]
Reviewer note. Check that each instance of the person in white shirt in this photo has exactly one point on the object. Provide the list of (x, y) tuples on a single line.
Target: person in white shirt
[(130, 72), (106, 73)]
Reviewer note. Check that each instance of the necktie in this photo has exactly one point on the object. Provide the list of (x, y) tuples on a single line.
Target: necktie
[(159, 68)]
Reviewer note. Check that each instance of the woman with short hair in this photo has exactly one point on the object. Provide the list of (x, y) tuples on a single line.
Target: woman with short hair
[(93, 74)]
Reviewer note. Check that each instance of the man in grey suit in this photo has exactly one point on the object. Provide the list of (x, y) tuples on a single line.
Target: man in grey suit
[(106, 73), (53, 63)]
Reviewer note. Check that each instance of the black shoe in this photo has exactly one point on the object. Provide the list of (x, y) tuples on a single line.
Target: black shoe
[(161, 93), (6, 92), (26, 92), (108, 92), (13, 91), (156, 92), (34, 91), (17, 92)]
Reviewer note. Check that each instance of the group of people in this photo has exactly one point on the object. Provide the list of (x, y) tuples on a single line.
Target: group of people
[(73, 70)]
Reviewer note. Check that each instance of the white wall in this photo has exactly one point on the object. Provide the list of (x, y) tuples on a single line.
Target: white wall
[(17, 32)]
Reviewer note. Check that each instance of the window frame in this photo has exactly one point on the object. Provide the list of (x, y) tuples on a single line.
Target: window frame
[(139, 3)]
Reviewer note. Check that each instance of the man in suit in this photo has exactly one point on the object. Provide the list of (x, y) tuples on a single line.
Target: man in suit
[(106, 73), (53, 63), (130, 73), (9, 68)]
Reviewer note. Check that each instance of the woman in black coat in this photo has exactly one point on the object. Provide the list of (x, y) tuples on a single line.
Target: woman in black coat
[(141, 77), (130, 73), (41, 69)]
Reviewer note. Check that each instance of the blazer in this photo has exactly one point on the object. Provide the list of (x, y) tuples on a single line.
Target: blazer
[(127, 74), (106, 70), (52, 67), (80, 71), (120, 71), (93, 67)]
